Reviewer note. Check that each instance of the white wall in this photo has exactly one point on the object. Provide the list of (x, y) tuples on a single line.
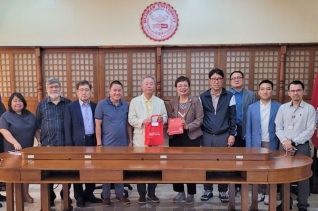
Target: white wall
[(117, 22)]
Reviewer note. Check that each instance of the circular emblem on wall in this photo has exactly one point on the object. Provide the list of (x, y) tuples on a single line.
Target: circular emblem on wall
[(159, 21)]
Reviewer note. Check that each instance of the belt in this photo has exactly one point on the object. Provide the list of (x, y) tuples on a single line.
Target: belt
[(89, 135)]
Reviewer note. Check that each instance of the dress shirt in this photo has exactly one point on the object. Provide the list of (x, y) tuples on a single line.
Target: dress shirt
[(50, 119), (239, 109), (87, 117), (148, 104), (296, 124)]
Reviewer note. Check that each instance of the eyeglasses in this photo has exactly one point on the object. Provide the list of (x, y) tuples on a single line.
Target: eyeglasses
[(216, 79), (53, 87), (185, 86), (236, 78), (84, 90), (295, 91)]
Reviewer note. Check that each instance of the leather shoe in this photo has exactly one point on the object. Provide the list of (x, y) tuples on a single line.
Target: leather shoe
[(80, 202), (52, 203), (93, 199), (3, 198), (153, 198), (280, 207), (142, 200)]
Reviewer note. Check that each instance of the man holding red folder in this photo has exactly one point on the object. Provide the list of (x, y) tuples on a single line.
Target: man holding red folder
[(140, 111)]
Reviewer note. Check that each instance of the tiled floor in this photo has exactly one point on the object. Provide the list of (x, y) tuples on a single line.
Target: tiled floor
[(164, 192)]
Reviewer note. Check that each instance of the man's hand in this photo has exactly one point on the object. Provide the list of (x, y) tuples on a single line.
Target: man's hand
[(230, 141), (287, 145)]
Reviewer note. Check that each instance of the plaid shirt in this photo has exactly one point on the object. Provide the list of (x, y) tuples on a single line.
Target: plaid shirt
[(50, 120)]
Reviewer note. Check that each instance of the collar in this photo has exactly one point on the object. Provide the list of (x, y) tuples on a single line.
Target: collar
[(81, 103), (301, 104), (265, 104), (234, 91), (48, 100), (146, 100), (109, 102)]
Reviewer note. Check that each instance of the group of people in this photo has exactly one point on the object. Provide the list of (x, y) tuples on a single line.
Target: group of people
[(216, 118)]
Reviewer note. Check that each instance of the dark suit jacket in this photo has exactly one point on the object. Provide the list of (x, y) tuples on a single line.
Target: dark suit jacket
[(193, 117), (74, 124)]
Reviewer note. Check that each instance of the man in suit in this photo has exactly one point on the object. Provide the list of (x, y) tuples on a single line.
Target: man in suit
[(140, 110), (243, 98), (80, 131), (260, 126)]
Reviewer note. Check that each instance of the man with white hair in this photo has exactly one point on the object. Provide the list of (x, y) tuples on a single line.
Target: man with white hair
[(140, 111), (50, 121)]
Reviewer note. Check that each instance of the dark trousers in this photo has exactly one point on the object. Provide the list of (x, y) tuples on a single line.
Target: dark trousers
[(183, 140), (80, 193), (52, 194), (211, 140), (239, 139), (142, 189), (302, 186), (239, 142)]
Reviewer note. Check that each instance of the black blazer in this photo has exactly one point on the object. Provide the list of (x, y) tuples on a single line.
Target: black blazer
[(74, 125)]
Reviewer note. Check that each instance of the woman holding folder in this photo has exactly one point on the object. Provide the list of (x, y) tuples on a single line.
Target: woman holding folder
[(190, 113)]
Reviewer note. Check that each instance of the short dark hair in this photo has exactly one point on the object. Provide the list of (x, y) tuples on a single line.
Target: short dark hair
[(296, 82), (181, 79), (266, 82), (216, 71), (20, 96), (115, 82), (237, 71), (83, 82)]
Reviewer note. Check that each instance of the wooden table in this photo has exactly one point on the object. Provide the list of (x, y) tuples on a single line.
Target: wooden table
[(161, 165)]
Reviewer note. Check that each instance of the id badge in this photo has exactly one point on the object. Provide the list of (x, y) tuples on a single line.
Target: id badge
[(291, 126)]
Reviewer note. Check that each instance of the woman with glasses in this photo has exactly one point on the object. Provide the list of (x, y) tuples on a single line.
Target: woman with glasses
[(190, 110)]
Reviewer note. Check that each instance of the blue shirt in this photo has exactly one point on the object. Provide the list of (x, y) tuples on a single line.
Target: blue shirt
[(114, 122), (239, 109), (87, 117)]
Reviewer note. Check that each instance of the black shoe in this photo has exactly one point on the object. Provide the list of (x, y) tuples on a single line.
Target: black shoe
[(302, 209), (80, 202), (153, 198), (69, 200), (93, 199), (52, 203), (280, 207), (3, 198)]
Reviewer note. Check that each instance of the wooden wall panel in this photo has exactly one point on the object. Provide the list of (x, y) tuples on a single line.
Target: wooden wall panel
[(26, 69), (297, 68)]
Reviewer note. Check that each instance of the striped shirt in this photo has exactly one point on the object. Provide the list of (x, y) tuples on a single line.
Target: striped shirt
[(50, 120)]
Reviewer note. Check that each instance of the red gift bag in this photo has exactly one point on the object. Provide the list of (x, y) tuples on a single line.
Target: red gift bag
[(154, 133), (175, 126)]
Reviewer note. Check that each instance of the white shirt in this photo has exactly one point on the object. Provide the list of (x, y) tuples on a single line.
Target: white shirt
[(265, 110)]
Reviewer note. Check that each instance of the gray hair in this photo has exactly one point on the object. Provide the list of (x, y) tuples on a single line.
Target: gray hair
[(53, 81), (148, 76)]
